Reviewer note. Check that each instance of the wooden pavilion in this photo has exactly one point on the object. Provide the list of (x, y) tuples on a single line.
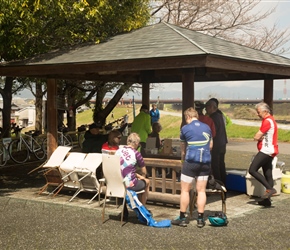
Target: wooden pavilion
[(157, 53)]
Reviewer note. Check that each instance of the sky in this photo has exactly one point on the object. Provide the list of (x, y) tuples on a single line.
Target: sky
[(227, 90)]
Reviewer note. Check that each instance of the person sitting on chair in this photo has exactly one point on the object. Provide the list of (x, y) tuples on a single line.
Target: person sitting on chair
[(112, 145), (131, 159), (156, 128), (94, 139)]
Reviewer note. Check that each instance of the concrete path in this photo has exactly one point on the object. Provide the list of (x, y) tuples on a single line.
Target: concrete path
[(32, 221), (29, 221)]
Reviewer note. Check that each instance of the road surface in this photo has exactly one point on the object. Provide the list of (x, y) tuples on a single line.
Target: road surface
[(234, 121)]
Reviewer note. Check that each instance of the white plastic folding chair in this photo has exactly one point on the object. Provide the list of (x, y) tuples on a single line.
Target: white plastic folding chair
[(68, 167), (86, 174), (51, 169), (115, 186)]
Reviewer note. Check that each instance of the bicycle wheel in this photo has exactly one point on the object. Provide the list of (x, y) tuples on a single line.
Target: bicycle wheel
[(44, 145), (67, 141), (18, 151), (3, 155), (38, 150)]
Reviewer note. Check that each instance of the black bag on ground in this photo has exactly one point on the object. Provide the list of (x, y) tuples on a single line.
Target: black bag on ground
[(214, 184)]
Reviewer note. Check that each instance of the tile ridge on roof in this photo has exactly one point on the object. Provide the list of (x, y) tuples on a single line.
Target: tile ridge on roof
[(188, 39), (259, 51)]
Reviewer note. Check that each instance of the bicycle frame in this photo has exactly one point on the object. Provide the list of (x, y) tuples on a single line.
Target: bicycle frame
[(4, 153), (29, 144), (64, 140), (21, 148)]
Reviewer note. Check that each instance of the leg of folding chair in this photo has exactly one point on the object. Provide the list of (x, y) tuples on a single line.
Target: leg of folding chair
[(192, 201), (43, 188), (58, 188), (124, 203), (104, 206), (102, 181), (93, 197), (224, 209), (75, 194)]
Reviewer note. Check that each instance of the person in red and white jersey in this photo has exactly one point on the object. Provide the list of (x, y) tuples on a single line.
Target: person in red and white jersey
[(267, 146)]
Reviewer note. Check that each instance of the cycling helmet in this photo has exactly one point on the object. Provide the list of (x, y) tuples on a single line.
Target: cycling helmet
[(218, 220)]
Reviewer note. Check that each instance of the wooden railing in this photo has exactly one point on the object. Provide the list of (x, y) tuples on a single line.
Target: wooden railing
[(164, 189), (167, 190)]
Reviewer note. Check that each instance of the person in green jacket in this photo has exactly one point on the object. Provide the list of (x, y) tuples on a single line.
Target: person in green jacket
[(142, 126)]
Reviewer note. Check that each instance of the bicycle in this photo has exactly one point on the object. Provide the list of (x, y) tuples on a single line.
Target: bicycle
[(4, 153), (81, 135), (26, 144), (63, 139)]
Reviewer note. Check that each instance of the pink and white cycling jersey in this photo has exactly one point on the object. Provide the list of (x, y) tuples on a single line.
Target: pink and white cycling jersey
[(269, 144)]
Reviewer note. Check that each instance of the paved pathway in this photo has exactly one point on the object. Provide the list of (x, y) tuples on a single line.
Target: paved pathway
[(32, 221), (40, 222)]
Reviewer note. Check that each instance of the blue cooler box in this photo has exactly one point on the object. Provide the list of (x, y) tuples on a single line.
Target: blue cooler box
[(236, 180)]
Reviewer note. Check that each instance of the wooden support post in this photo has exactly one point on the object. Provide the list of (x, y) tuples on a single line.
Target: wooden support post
[(268, 92), (146, 94), (51, 116), (187, 90)]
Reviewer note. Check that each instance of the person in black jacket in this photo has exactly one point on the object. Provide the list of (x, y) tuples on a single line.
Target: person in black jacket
[(220, 141), (94, 139)]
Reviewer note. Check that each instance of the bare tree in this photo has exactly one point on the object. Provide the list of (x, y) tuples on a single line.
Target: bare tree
[(236, 21), (77, 93)]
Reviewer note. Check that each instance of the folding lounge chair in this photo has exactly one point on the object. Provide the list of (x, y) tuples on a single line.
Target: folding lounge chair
[(86, 174), (68, 167), (51, 170), (115, 186)]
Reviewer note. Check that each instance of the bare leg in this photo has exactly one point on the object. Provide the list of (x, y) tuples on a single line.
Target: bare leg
[(201, 197), (184, 196), (144, 196)]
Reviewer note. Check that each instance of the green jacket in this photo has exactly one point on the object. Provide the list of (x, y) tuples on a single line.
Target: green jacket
[(142, 126), (227, 119)]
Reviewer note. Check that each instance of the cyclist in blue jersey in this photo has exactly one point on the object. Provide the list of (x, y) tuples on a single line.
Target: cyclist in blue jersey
[(196, 143)]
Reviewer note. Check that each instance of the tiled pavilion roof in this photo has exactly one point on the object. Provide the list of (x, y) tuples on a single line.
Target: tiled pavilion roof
[(156, 53)]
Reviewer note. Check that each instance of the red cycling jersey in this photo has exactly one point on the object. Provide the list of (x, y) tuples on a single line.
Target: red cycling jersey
[(268, 145)]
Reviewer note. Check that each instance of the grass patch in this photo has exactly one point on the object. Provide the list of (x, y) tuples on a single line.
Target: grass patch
[(85, 117), (248, 132), (239, 131), (170, 126)]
